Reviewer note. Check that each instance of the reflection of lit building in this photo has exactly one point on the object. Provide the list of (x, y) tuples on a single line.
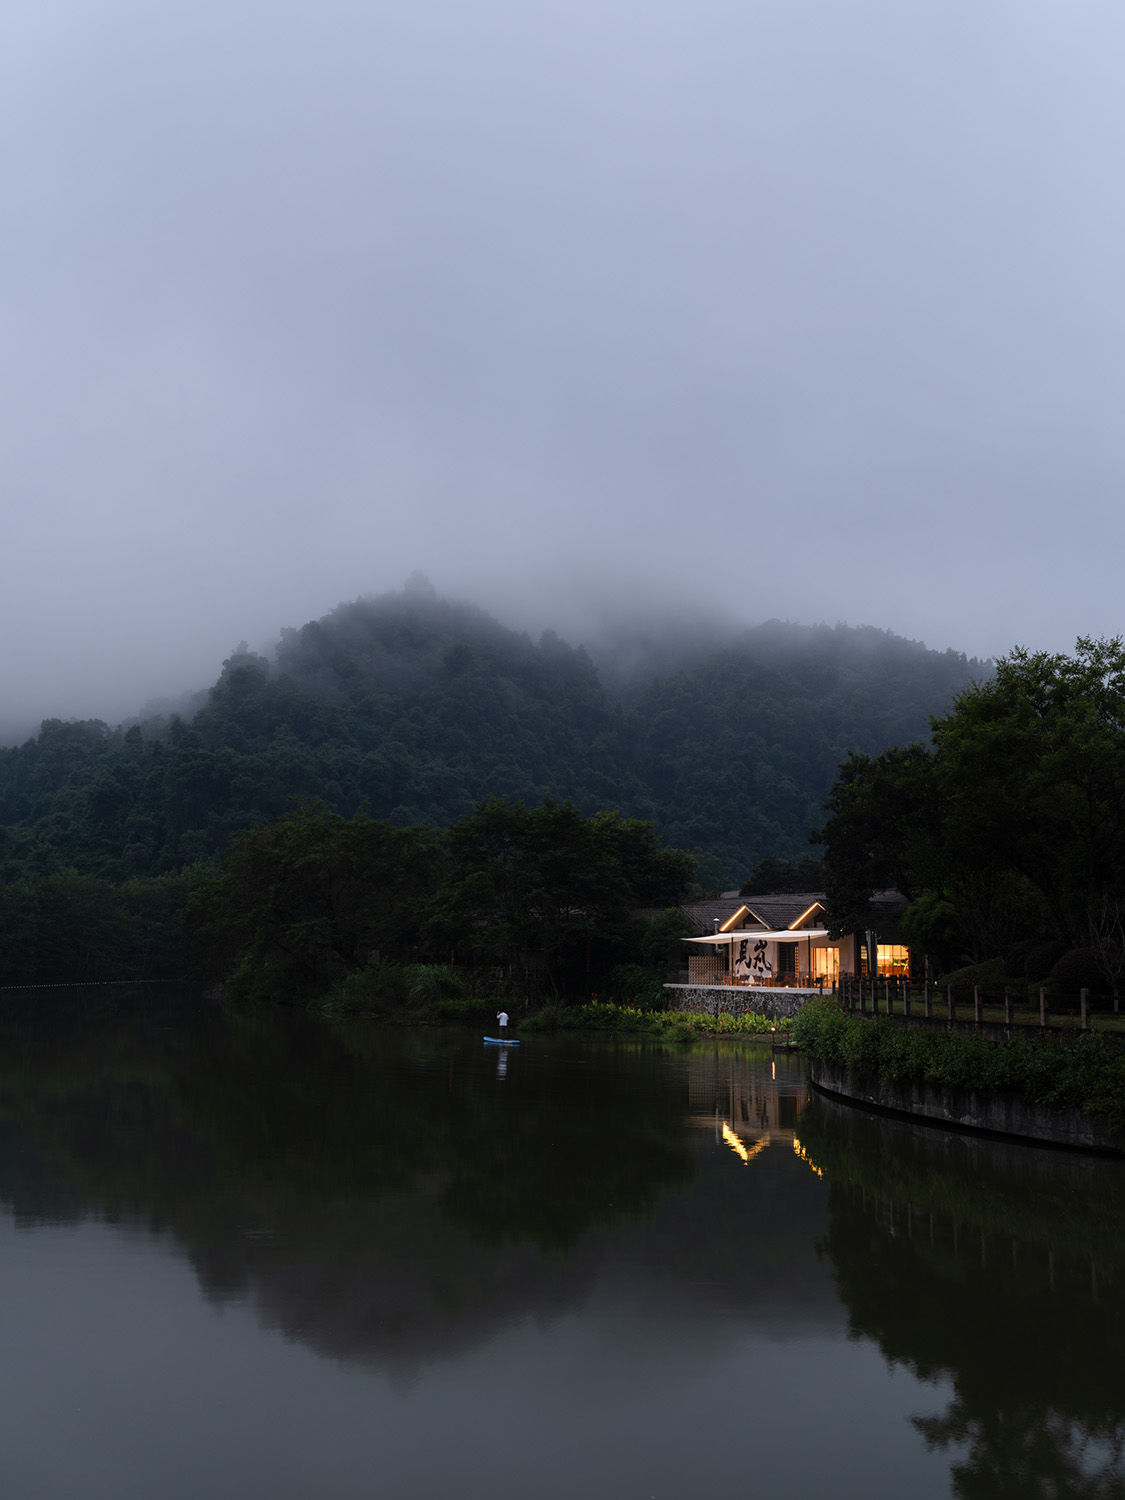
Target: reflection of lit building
[(746, 1110), (782, 941)]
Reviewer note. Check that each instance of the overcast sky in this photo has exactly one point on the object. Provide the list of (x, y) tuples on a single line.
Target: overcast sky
[(802, 309)]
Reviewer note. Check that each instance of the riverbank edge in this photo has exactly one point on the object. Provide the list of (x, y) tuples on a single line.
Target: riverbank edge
[(668, 1025), (601, 1017), (979, 1111)]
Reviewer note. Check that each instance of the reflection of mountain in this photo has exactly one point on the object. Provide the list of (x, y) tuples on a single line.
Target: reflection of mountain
[(385, 1198), (1002, 1266)]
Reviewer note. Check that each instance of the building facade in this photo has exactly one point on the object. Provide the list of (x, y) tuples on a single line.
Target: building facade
[(781, 940)]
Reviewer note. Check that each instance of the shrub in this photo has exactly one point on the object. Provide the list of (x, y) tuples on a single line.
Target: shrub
[(1041, 960), (1087, 1074), (425, 993), (429, 982), (633, 984), (372, 991), (548, 1018), (989, 975), (1078, 970), (1015, 960)]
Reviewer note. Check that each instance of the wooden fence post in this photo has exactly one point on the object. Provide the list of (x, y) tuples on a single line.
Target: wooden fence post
[(927, 1001), (906, 998), (1042, 1007), (949, 1000), (1007, 1006), (1085, 997), (976, 1003)]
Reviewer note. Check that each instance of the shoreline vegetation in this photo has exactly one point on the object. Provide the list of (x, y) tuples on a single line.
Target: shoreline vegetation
[(1083, 1071), (433, 997), (671, 1025)]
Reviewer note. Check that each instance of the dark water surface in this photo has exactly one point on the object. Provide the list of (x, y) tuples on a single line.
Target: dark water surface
[(270, 1257)]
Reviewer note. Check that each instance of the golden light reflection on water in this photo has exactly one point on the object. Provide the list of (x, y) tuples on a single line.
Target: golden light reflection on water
[(738, 1146), (799, 1150)]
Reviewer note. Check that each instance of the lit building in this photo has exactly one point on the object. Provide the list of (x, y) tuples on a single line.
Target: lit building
[(782, 940)]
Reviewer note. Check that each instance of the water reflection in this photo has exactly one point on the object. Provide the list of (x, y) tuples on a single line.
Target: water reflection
[(376, 1195), (1000, 1266), (654, 1233)]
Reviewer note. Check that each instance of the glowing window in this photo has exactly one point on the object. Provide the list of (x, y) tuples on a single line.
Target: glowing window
[(893, 958), (826, 962)]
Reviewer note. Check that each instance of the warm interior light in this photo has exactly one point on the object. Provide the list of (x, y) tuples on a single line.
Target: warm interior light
[(826, 962), (892, 958)]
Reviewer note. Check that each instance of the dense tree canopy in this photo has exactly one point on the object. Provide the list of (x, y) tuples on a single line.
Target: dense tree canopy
[(784, 875), (306, 900), (315, 897), (548, 880), (419, 709), (1011, 824)]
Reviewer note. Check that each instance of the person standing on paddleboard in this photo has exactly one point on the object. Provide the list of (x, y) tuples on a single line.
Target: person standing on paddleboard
[(502, 1022)]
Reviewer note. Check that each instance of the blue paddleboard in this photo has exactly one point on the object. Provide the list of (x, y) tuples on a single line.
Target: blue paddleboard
[(503, 1041)]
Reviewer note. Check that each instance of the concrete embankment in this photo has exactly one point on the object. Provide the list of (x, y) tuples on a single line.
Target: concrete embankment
[(997, 1113)]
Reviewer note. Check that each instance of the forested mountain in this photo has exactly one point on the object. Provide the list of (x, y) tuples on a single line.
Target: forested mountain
[(420, 707)]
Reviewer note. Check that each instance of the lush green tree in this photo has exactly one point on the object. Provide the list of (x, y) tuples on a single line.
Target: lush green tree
[(552, 882), (883, 832), (66, 927), (1013, 822), (304, 901), (772, 874), (661, 943), (1032, 771)]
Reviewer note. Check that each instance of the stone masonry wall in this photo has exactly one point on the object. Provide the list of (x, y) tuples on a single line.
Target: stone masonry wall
[(731, 1000)]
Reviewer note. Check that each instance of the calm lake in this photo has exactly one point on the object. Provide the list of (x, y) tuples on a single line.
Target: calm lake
[(264, 1256)]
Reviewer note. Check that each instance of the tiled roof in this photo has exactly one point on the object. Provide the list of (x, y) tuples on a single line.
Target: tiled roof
[(776, 909), (780, 909)]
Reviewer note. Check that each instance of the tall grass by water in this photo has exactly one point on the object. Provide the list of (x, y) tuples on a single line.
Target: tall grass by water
[(675, 1025)]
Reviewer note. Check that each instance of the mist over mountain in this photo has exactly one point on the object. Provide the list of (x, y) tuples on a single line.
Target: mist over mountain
[(419, 706)]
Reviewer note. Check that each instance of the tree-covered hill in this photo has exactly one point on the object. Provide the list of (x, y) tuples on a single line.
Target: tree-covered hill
[(420, 707)]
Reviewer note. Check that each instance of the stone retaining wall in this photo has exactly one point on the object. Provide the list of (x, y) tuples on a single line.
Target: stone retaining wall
[(970, 1109), (738, 1000)]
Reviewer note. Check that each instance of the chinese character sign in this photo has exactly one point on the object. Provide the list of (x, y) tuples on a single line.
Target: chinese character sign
[(752, 962)]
